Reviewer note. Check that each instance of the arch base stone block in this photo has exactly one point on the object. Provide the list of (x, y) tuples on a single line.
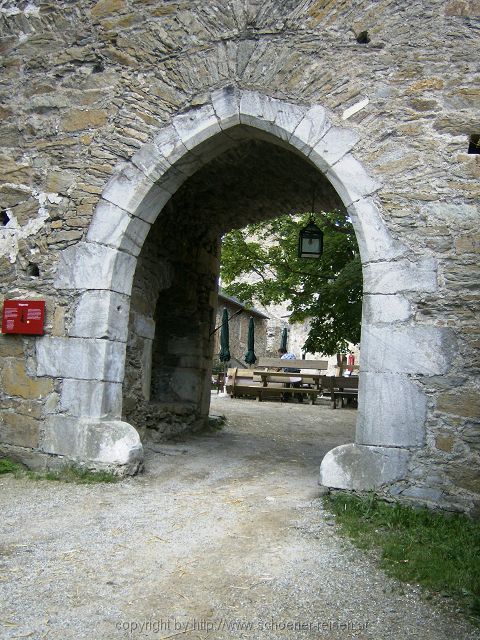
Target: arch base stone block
[(363, 467), (107, 445)]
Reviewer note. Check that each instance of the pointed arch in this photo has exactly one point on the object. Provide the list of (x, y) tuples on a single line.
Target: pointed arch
[(100, 270)]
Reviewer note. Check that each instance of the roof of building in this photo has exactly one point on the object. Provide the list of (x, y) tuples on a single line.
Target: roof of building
[(241, 305)]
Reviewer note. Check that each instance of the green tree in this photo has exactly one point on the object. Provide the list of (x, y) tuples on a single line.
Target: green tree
[(327, 291)]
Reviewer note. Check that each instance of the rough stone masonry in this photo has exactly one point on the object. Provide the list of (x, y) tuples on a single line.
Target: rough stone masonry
[(136, 132)]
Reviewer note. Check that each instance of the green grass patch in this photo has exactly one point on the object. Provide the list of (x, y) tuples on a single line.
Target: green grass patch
[(8, 466), (438, 551), (74, 474), (71, 473)]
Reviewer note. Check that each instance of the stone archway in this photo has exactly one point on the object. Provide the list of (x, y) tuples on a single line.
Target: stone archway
[(100, 271)]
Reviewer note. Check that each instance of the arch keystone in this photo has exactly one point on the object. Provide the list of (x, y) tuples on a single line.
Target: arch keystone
[(270, 115), (226, 104)]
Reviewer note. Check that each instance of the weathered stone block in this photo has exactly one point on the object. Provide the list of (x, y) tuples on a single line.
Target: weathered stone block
[(226, 104), (151, 161), (80, 358), (19, 430), (144, 326), (146, 360), (271, 115), (375, 242), (391, 412), (384, 309), (444, 443), (109, 442), (91, 398), (79, 120), (196, 126), (16, 382), (101, 314), (362, 468), (29, 408), (11, 345), (130, 189), (409, 350), (455, 216), (104, 8), (468, 244), (471, 434), (89, 265), (428, 494), (169, 146), (400, 276), (114, 227), (46, 101), (58, 322), (462, 403), (465, 476), (350, 179), (310, 130), (59, 181), (187, 384), (333, 146)]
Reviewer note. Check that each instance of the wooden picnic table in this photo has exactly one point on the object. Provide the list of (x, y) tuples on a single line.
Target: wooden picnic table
[(271, 375)]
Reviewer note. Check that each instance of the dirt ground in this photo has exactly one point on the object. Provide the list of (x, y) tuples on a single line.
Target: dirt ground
[(223, 536)]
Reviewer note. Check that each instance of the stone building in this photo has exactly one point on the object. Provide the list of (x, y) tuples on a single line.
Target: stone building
[(135, 133)]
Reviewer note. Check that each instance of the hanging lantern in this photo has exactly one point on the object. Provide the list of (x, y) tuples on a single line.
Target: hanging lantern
[(310, 241)]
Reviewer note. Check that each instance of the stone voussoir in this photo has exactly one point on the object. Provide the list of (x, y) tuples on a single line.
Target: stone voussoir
[(350, 179), (113, 226), (400, 276), (89, 265), (130, 189)]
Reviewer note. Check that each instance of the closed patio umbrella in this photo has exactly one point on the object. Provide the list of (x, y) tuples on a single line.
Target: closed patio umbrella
[(250, 357), (224, 354), (283, 341)]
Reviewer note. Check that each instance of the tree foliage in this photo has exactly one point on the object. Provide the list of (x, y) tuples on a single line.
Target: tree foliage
[(260, 265)]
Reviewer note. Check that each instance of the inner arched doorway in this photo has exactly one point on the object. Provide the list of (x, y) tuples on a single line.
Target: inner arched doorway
[(175, 283)]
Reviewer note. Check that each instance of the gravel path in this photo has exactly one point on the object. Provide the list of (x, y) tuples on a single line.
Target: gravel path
[(224, 536)]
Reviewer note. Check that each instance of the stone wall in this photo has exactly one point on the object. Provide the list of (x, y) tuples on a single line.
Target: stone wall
[(88, 87), (168, 356)]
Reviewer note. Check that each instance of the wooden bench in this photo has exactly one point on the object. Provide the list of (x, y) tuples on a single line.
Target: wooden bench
[(343, 387), (240, 383), (278, 363)]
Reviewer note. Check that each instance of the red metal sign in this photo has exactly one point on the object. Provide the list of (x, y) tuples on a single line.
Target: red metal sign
[(23, 316)]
